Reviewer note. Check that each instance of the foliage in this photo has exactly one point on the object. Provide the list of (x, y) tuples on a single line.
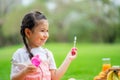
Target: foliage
[(90, 20)]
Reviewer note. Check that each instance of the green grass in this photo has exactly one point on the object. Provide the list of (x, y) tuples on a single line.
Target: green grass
[(87, 64)]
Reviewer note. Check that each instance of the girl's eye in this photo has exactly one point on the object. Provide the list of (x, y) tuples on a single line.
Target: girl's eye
[(42, 30)]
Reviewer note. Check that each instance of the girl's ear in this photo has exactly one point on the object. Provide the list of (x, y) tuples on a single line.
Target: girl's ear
[(28, 32)]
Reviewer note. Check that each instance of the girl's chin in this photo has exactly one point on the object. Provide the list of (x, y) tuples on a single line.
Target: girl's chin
[(38, 45)]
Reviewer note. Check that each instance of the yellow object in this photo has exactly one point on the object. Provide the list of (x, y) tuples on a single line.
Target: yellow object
[(112, 75), (119, 75)]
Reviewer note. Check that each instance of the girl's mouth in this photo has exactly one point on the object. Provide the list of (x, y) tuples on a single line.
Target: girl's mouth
[(43, 40)]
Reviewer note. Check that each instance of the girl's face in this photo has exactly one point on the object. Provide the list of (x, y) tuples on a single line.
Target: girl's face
[(38, 35)]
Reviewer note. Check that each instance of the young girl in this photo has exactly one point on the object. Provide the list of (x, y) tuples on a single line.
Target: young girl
[(34, 31)]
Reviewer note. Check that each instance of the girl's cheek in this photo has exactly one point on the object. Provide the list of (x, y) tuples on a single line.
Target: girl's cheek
[(37, 40)]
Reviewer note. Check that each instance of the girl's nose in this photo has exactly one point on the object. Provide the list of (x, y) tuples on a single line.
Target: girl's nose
[(46, 35)]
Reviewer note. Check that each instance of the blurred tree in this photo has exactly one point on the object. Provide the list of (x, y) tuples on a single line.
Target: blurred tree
[(5, 7), (11, 26), (98, 19), (90, 20), (110, 21)]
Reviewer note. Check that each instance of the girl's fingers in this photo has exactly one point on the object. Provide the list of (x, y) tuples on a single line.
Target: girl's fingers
[(72, 54), (74, 51), (30, 69)]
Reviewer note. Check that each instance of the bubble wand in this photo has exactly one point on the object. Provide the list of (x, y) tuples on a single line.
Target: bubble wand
[(74, 47)]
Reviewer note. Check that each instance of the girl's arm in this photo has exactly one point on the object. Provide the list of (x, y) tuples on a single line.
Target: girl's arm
[(21, 75), (57, 74)]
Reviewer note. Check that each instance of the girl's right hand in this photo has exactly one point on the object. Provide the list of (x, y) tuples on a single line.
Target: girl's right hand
[(72, 54), (29, 69)]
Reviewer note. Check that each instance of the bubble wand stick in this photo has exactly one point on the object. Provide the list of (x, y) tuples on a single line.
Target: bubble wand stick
[(74, 47), (75, 38)]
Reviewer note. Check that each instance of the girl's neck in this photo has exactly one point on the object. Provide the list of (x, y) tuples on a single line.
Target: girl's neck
[(32, 46)]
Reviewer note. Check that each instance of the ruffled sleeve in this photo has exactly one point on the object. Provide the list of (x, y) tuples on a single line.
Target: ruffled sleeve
[(52, 64)]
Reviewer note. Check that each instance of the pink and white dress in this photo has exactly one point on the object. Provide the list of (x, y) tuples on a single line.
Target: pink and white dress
[(43, 72)]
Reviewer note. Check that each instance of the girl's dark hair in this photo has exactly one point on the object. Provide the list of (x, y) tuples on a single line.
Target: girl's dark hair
[(30, 21)]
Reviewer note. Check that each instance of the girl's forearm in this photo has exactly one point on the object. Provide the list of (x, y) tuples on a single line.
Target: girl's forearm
[(62, 69), (19, 76)]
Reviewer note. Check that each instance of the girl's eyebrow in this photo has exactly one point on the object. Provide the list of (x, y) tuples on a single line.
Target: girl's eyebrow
[(42, 28)]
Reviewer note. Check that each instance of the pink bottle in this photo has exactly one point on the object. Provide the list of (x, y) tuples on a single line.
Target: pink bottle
[(36, 60)]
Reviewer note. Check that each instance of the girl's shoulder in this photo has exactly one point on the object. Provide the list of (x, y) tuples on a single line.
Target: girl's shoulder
[(20, 55), (20, 51), (48, 52)]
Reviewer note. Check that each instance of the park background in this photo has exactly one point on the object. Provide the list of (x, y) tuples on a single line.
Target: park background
[(96, 23)]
